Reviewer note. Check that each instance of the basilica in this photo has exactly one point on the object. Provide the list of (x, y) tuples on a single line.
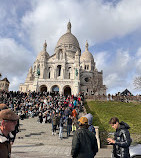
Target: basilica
[(67, 71)]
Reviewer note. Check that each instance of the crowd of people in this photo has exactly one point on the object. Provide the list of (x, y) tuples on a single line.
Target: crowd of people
[(52, 108), (59, 111)]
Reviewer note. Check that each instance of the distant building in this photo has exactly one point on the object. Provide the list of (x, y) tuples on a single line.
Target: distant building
[(126, 92), (4, 84), (67, 71)]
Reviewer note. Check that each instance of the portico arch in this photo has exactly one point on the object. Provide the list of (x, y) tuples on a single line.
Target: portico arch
[(54, 90), (67, 90), (43, 88)]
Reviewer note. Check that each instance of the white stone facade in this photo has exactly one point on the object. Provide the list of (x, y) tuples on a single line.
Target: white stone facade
[(4, 84), (66, 71)]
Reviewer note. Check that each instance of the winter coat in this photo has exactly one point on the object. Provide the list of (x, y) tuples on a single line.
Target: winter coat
[(54, 120), (74, 113), (5, 146), (122, 141), (69, 121), (84, 144), (92, 129), (61, 122)]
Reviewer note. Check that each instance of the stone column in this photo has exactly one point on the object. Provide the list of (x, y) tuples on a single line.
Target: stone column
[(62, 72), (55, 73), (97, 136)]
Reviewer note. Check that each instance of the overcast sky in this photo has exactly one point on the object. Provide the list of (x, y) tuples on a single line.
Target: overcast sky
[(111, 27)]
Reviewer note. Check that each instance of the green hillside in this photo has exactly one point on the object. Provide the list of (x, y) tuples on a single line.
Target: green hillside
[(104, 110)]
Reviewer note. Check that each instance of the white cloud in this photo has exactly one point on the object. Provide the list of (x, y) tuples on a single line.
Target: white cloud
[(119, 70), (138, 52), (138, 62), (15, 82), (14, 57), (15, 60), (92, 20), (101, 59)]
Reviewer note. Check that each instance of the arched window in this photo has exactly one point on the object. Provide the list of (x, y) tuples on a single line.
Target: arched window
[(49, 75), (59, 70), (60, 54), (69, 69), (49, 72)]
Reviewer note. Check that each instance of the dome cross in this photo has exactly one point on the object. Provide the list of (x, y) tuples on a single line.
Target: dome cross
[(69, 27), (86, 46), (45, 46)]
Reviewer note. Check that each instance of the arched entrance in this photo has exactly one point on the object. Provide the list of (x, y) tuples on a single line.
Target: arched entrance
[(67, 91), (43, 88), (55, 90)]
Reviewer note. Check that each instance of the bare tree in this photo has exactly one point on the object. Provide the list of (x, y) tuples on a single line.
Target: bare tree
[(137, 82)]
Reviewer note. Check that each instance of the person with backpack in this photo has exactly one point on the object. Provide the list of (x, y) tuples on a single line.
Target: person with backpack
[(84, 142)]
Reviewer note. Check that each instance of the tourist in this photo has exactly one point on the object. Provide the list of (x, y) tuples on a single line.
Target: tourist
[(61, 124), (9, 121), (3, 106), (67, 112), (40, 117), (69, 125), (84, 143), (74, 113), (122, 140), (91, 128), (54, 124), (52, 115), (74, 124)]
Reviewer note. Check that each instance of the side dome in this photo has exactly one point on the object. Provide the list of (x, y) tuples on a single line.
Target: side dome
[(87, 56), (43, 53)]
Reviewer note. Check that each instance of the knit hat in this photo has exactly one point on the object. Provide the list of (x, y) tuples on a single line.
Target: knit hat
[(3, 106), (8, 114), (83, 120)]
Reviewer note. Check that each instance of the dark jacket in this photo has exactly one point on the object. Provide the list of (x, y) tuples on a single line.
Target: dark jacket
[(123, 141), (69, 121), (5, 146), (61, 122), (84, 144), (54, 120)]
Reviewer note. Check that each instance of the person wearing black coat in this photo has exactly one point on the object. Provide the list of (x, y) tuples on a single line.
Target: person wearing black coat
[(122, 140), (84, 143)]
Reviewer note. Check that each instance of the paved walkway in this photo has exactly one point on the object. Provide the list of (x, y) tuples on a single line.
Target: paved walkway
[(36, 140)]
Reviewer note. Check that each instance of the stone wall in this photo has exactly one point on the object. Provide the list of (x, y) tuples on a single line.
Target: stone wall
[(127, 99)]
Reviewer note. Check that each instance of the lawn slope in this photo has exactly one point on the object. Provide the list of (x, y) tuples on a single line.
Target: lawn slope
[(127, 112)]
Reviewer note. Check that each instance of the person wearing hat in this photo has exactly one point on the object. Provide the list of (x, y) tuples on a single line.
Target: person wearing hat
[(84, 142), (8, 122), (3, 106)]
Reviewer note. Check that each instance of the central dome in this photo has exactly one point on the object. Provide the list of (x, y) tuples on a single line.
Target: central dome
[(68, 38)]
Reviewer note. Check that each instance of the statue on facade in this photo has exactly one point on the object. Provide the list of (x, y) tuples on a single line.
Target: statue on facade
[(76, 72), (38, 70)]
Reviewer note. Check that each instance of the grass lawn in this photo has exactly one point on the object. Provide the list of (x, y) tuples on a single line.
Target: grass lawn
[(127, 112)]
